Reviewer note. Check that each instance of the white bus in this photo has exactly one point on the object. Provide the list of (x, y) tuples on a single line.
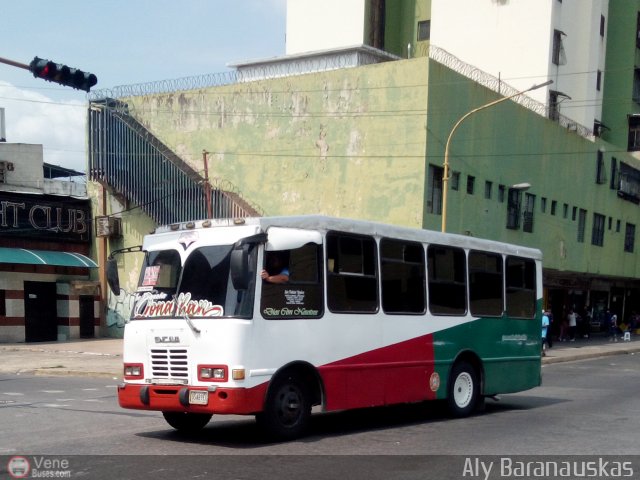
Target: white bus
[(356, 314)]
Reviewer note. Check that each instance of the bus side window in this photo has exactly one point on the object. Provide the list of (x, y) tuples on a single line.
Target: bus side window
[(485, 284), (403, 276), (447, 280), (521, 287), (352, 285)]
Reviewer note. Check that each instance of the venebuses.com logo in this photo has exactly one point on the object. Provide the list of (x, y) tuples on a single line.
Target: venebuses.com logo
[(38, 467)]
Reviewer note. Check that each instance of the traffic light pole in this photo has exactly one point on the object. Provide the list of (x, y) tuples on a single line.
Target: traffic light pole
[(14, 64)]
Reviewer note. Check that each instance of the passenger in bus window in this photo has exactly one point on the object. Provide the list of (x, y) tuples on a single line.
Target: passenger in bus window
[(276, 267)]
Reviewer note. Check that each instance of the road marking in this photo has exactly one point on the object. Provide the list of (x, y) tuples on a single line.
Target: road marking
[(54, 405), (89, 389), (52, 391), (15, 394)]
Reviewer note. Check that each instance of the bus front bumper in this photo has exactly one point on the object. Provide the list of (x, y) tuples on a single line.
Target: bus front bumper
[(237, 401)]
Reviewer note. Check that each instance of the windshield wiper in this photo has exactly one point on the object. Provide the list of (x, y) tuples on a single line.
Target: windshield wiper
[(195, 329)]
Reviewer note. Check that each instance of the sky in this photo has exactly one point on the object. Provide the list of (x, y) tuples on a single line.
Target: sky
[(122, 42)]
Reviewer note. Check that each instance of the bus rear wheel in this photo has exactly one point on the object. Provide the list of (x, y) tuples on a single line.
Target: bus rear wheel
[(187, 422), (464, 390), (287, 409)]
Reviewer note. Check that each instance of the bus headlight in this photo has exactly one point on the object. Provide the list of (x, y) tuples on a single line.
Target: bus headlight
[(212, 373)]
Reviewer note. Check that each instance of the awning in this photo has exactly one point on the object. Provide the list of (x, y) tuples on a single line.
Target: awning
[(45, 257)]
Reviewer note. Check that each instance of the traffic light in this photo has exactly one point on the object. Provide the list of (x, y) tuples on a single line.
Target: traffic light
[(58, 73)]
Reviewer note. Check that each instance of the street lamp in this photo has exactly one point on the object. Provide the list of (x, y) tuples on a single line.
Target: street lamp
[(445, 175)]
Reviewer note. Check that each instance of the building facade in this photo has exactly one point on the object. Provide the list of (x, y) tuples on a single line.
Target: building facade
[(46, 293), (367, 140)]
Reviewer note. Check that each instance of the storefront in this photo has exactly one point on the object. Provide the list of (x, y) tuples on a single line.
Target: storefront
[(45, 289)]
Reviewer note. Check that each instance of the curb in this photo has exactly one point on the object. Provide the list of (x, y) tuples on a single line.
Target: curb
[(589, 355)]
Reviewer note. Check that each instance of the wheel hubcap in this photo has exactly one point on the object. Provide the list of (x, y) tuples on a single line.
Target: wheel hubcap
[(289, 405), (463, 390)]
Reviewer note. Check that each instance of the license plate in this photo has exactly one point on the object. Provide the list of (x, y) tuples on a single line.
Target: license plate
[(198, 397)]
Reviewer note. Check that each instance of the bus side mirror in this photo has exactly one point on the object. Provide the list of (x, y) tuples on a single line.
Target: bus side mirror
[(240, 275), (112, 276)]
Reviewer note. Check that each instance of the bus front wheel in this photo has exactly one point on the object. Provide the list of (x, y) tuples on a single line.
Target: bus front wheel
[(287, 410), (464, 390), (187, 422)]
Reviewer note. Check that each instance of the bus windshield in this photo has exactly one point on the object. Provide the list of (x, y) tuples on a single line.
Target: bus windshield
[(201, 288)]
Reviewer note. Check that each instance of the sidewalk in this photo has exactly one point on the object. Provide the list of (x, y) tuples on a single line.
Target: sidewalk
[(598, 345), (102, 357)]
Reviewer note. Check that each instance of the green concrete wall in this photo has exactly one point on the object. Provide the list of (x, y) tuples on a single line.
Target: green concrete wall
[(349, 143), (353, 142), (507, 144), (619, 73)]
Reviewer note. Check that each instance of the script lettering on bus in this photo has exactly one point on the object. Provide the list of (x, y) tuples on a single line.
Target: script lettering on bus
[(289, 312), (151, 305)]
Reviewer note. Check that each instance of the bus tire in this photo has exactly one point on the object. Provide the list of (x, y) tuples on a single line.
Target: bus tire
[(187, 422), (287, 409), (464, 390)]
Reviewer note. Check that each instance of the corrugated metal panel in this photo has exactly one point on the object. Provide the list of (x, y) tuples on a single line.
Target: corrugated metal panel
[(126, 157)]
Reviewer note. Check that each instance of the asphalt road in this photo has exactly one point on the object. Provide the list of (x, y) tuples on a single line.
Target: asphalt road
[(583, 408)]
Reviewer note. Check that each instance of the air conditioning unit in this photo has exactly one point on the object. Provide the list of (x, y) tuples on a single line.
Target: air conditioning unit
[(108, 227)]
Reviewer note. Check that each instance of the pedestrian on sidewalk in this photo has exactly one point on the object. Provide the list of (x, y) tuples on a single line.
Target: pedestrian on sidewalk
[(545, 328), (613, 327), (573, 322)]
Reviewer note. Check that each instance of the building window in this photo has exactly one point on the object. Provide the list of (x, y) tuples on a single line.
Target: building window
[(610, 223), (558, 55), (455, 181), (424, 30), (614, 181), (617, 226), (582, 221), (629, 237), (513, 209), (597, 234), (529, 205), (638, 31), (634, 133), (628, 183), (471, 181), (488, 186), (574, 214), (554, 205), (543, 205), (636, 85), (501, 189), (565, 211), (600, 173), (602, 24), (3, 304), (599, 80), (554, 105), (434, 200)]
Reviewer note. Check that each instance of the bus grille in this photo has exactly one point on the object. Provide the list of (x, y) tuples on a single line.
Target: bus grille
[(169, 363)]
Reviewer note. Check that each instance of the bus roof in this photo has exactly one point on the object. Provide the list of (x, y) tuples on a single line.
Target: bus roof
[(325, 223)]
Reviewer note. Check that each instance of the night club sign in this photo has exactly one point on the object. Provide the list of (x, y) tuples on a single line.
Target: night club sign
[(45, 217)]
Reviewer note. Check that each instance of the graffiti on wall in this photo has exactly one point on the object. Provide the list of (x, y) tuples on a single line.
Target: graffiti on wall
[(119, 308)]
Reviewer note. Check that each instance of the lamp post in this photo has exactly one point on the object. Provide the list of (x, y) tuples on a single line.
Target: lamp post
[(445, 175)]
